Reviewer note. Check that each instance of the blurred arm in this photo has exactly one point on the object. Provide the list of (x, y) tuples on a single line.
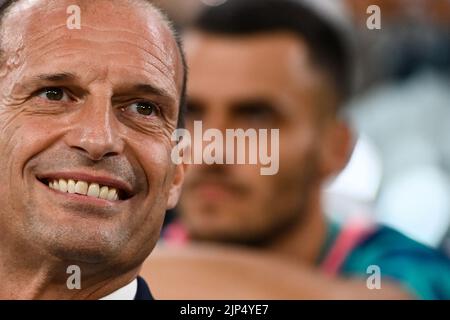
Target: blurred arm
[(217, 272)]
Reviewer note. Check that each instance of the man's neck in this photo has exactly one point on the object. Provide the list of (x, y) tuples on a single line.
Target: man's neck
[(305, 240)]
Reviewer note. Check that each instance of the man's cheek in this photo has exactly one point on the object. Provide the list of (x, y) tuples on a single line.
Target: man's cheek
[(11, 142), (155, 159)]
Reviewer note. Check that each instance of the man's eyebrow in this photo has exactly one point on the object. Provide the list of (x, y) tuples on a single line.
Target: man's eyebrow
[(57, 77), (147, 88), (144, 88), (254, 103)]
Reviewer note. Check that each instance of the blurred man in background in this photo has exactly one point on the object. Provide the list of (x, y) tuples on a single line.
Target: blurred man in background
[(277, 64)]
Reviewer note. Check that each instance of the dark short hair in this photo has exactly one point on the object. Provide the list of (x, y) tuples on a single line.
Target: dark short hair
[(5, 5), (327, 45)]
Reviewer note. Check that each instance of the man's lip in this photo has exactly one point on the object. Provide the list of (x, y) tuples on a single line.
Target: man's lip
[(90, 178), (213, 190)]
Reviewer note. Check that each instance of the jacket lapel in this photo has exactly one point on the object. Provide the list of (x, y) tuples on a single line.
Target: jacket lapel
[(143, 291)]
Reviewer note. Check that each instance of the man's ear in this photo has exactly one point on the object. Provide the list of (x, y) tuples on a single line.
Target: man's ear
[(184, 153), (177, 184), (336, 148)]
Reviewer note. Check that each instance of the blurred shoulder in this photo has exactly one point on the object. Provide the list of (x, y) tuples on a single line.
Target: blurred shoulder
[(422, 270)]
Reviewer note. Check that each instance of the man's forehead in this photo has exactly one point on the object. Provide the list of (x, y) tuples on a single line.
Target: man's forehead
[(275, 53), (276, 42), (263, 59), (113, 26), (36, 15)]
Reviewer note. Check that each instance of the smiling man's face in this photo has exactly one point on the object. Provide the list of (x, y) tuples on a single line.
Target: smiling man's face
[(85, 119)]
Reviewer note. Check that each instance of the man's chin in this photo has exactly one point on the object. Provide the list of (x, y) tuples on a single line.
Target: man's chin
[(94, 251), (83, 254), (225, 235), (78, 241)]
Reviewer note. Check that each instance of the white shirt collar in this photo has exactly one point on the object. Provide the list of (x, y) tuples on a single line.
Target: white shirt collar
[(127, 292)]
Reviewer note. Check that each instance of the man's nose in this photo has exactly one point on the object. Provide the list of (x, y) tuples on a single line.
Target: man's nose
[(217, 121), (95, 132)]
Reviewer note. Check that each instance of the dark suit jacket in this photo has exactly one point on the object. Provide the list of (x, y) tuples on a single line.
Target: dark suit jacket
[(143, 292)]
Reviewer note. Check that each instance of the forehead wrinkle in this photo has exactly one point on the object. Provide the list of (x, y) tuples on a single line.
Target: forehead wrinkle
[(155, 61), (152, 30), (164, 60), (85, 36), (162, 51)]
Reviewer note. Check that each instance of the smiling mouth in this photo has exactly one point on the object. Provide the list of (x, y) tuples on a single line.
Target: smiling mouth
[(89, 189)]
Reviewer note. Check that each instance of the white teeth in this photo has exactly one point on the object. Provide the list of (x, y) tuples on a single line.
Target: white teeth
[(94, 190), (104, 193), (71, 186), (81, 187), (62, 185), (112, 194)]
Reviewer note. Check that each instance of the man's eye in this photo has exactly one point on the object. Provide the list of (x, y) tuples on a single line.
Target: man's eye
[(54, 94), (194, 110), (143, 108)]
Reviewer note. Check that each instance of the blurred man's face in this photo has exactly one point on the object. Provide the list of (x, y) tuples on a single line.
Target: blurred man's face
[(93, 110), (262, 82)]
